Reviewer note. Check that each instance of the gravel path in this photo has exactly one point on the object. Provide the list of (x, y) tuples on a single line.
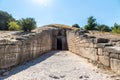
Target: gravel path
[(61, 65)]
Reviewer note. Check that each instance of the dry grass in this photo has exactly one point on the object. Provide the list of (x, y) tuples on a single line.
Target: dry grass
[(105, 34), (63, 26)]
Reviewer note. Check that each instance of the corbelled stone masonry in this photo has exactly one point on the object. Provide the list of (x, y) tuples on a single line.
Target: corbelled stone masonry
[(27, 46), (23, 47), (101, 51)]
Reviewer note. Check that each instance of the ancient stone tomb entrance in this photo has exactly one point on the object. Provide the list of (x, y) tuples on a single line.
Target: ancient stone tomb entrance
[(61, 40), (59, 44)]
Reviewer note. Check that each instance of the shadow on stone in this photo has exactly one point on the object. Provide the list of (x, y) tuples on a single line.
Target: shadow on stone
[(22, 67)]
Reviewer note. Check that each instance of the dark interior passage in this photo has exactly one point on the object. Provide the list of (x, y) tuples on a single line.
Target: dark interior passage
[(59, 44)]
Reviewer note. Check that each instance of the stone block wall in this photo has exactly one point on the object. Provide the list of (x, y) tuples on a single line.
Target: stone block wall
[(24, 48), (27, 47), (97, 50)]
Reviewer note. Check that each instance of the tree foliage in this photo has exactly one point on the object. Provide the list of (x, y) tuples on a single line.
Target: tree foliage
[(76, 26), (91, 24), (7, 22), (13, 25), (5, 18), (116, 28), (103, 28), (27, 24)]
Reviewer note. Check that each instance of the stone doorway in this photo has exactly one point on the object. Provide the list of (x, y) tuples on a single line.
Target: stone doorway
[(59, 44)]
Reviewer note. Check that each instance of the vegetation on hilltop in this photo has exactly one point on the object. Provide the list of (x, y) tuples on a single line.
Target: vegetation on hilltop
[(93, 25), (5, 18), (13, 26), (75, 26), (7, 22), (103, 28), (27, 24), (116, 28)]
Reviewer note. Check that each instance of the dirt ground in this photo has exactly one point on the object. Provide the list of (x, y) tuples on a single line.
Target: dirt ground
[(57, 65)]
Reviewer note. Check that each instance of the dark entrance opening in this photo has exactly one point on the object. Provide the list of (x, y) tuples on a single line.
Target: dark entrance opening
[(59, 44)]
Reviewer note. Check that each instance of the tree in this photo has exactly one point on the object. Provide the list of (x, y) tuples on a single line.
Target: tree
[(76, 26), (103, 28), (91, 24), (116, 28), (27, 24), (5, 18), (13, 26)]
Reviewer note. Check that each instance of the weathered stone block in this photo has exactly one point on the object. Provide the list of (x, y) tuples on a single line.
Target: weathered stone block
[(114, 55), (113, 49), (102, 45), (100, 51), (90, 53), (2, 49), (115, 65), (12, 49), (10, 62), (105, 60), (106, 54)]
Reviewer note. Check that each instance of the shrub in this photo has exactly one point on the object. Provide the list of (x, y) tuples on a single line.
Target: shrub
[(13, 26), (27, 24), (116, 28), (76, 26), (103, 28)]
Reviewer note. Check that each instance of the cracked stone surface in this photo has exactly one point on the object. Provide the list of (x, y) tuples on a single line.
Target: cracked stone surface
[(57, 65)]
